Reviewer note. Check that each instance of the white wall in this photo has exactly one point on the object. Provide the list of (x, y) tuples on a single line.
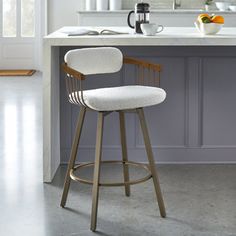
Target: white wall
[(63, 13)]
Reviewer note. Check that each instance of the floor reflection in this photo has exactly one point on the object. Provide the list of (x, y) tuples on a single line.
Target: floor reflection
[(22, 196)]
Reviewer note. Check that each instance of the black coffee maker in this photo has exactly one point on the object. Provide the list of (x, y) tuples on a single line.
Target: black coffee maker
[(142, 11)]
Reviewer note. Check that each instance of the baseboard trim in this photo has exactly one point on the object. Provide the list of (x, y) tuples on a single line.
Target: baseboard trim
[(179, 163)]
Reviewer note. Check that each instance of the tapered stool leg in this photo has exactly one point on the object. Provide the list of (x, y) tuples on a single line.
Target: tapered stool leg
[(96, 175), (73, 155), (151, 162), (124, 151)]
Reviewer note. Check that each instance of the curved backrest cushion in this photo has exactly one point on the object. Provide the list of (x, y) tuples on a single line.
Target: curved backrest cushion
[(90, 61)]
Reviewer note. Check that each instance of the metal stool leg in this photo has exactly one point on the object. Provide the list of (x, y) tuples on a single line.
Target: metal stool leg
[(96, 175), (73, 155), (151, 162), (124, 151)]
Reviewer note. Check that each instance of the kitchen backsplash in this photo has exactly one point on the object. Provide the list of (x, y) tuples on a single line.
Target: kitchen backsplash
[(157, 4)]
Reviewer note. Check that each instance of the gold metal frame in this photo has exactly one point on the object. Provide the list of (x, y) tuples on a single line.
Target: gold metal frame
[(148, 73), (116, 184), (74, 87)]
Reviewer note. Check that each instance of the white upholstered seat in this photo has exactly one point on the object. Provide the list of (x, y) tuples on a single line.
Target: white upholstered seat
[(121, 98)]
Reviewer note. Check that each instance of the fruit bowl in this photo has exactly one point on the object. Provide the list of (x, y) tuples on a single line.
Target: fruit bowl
[(208, 28), (223, 6), (232, 8), (209, 24)]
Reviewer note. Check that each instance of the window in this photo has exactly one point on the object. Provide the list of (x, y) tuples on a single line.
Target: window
[(27, 18), (9, 18), (23, 10)]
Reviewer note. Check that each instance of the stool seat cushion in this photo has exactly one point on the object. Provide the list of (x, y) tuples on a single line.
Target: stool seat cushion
[(121, 98)]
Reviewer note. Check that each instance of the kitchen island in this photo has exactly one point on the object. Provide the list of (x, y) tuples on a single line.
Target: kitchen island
[(196, 123)]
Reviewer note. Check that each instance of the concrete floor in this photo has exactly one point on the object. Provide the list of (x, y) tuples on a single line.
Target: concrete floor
[(200, 199)]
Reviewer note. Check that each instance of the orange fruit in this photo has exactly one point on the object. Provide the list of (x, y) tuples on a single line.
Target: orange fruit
[(218, 19)]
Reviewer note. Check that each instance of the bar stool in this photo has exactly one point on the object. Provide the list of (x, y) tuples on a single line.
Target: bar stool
[(88, 61)]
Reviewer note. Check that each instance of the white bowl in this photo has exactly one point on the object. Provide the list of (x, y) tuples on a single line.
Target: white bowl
[(223, 6), (208, 28), (232, 7)]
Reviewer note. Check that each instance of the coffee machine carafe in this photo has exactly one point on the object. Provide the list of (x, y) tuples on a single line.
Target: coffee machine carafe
[(141, 12)]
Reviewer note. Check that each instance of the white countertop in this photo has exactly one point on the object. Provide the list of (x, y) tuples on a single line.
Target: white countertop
[(171, 36)]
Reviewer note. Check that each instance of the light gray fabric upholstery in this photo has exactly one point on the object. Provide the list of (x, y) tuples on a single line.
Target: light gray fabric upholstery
[(121, 98), (95, 60)]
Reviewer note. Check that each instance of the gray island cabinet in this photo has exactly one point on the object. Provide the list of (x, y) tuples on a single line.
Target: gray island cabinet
[(196, 123)]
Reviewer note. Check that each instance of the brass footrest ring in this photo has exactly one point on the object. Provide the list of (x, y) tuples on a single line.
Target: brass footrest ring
[(115, 184)]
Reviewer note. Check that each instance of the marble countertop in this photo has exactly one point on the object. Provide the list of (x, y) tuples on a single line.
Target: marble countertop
[(170, 36)]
